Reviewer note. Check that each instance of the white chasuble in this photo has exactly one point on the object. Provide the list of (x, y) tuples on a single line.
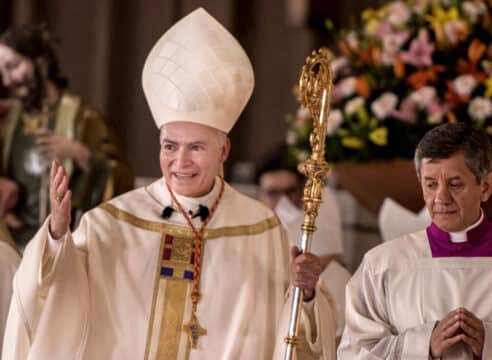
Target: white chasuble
[(119, 288), (399, 293)]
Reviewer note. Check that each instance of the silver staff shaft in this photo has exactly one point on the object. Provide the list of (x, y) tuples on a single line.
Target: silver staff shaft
[(296, 307)]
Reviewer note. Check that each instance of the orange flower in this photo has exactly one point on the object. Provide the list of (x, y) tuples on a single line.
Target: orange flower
[(376, 55), (467, 67), (344, 48), (422, 77), (489, 52), (399, 68), (452, 117), (362, 87), (364, 57), (476, 51)]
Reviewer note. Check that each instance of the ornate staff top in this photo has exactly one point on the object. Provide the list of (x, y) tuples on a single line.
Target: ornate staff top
[(315, 86), (314, 94)]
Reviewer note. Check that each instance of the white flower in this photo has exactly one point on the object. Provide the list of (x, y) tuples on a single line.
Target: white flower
[(352, 105), (454, 30), (480, 108), (338, 64), (384, 105), (347, 86), (423, 97), (464, 84), (399, 13), (335, 118), (392, 43), (303, 113), (291, 137), (352, 40), (474, 9)]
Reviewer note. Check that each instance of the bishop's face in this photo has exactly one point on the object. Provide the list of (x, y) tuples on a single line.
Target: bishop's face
[(191, 156), (451, 192)]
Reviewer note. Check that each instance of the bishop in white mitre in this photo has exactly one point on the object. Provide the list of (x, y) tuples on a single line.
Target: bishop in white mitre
[(185, 268)]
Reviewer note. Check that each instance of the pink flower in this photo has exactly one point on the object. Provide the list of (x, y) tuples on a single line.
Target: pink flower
[(338, 64), (399, 13), (344, 88), (406, 112), (384, 28), (437, 111), (420, 52)]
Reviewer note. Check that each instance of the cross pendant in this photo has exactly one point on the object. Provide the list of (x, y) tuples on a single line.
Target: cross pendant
[(194, 331)]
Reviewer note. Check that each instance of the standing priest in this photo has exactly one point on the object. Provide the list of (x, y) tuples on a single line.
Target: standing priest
[(186, 268), (426, 295)]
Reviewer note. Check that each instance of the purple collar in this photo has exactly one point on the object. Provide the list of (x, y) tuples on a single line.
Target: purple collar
[(478, 244)]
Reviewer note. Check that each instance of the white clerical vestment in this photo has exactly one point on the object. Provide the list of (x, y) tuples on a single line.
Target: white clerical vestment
[(120, 287), (400, 291), (9, 261)]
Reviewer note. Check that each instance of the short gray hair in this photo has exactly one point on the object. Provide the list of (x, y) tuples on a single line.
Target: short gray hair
[(221, 136), (445, 140)]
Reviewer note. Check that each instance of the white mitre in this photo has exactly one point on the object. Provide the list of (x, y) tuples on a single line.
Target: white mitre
[(197, 72)]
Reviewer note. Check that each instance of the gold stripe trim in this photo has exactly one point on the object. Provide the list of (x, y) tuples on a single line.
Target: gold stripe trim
[(172, 319), (154, 299), (65, 123), (185, 232)]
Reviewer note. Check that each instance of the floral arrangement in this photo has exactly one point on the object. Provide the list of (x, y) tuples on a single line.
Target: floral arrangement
[(409, 66)]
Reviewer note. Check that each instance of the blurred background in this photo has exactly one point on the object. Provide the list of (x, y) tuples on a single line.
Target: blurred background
[(103, 45)]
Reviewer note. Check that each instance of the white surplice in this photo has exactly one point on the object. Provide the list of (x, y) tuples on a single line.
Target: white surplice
[(9, 261), (400, 291), (93, 298)]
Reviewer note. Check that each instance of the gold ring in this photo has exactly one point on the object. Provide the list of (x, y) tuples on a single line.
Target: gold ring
[(58, 197)]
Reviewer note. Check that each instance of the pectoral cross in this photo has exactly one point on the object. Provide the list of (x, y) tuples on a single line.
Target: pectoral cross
[(194, 331)]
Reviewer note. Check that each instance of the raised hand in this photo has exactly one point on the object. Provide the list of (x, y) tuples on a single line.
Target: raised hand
[(305, 270), (60, 201)]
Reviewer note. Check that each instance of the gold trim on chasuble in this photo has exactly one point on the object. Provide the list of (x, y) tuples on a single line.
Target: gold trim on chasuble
[(174, 277)]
